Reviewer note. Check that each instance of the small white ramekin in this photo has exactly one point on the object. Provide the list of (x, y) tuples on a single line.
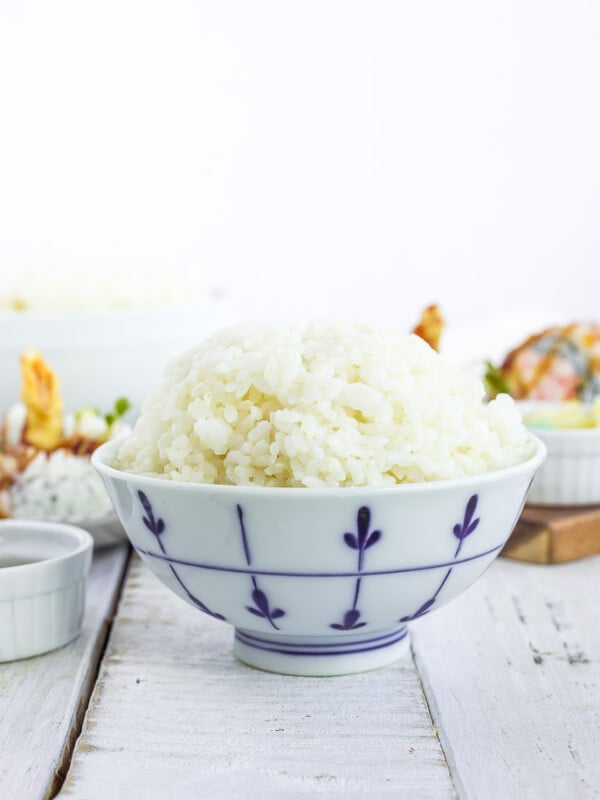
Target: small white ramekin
[(43, 569), (570, 476)]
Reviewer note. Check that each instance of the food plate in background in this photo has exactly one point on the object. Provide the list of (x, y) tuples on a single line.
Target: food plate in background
[(106, 531), (45, 469)]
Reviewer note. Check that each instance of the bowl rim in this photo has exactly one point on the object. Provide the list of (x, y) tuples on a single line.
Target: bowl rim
[(105, 453), (82, 542)]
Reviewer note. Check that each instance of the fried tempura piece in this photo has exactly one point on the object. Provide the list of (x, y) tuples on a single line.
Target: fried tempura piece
[(430, 326), (4, 504), (8, 469), (80, 445), (41, 395), (559, 363), (13, 461)]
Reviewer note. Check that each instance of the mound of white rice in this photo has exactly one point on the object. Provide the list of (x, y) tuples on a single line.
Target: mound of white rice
[(321, 405), (58, 486)]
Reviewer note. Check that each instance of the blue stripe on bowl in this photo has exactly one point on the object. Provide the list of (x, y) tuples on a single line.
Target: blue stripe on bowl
[(282, 574), (303, 648)]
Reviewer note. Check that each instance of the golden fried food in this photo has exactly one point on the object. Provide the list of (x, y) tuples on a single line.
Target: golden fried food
[(43, 450), (40, 394), (8, 468), (430, 326), (559, 363)]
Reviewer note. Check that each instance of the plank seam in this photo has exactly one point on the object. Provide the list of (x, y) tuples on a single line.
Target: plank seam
[(64, 764), (436, 724)]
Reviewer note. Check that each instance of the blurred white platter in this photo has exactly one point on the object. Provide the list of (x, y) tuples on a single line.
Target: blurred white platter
[(106, 531), (102, 355)]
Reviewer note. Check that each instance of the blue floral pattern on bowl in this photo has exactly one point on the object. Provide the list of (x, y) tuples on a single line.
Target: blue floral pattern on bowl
[(360, 541), (157, 526)]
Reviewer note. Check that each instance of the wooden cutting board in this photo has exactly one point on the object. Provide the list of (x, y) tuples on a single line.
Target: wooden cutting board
[(551, 535)]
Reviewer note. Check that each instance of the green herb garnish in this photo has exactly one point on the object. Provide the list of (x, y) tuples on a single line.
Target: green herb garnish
[(120, 408), (494, 381)]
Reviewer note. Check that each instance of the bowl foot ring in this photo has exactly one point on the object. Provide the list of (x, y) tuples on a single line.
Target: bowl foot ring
[(321, 656)]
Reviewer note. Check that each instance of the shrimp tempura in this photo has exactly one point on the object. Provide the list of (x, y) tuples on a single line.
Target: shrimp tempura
[(41, 395), (430, 326)]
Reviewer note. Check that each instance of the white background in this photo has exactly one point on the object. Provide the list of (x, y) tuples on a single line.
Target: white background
[(318, 155)]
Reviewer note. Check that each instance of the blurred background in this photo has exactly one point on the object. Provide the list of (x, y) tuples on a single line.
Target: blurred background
[(323, 157)]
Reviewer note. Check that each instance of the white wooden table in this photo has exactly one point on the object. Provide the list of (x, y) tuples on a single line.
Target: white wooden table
[(500, 700)]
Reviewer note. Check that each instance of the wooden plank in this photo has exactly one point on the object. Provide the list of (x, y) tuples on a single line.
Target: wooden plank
[(43, 699), (174, 715), (511, 670), (550, 535)]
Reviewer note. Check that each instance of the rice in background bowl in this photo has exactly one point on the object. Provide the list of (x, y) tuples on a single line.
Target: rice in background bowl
[(325, 404), (69, 289)]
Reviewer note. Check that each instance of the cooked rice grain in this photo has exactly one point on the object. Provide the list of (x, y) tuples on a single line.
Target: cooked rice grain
[(326, 404)]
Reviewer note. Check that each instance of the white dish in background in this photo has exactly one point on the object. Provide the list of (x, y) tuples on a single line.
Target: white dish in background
[(102, 355), (570, 476), (43, 569), (106, 531)]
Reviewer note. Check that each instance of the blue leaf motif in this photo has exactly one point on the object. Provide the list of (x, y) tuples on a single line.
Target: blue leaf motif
[(145, 503), (363, 519), (350, 540), (425, 607), (350, 617), (360, 541), (157, 527), (339, 627), (350, 621), (420, 611), (260, 598), (373, 539), (461, 531), (470, 510)]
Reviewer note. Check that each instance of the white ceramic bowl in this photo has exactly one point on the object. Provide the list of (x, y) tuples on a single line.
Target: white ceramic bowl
[(318, 581), (570, 476), (43, 568), (100, 356)]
